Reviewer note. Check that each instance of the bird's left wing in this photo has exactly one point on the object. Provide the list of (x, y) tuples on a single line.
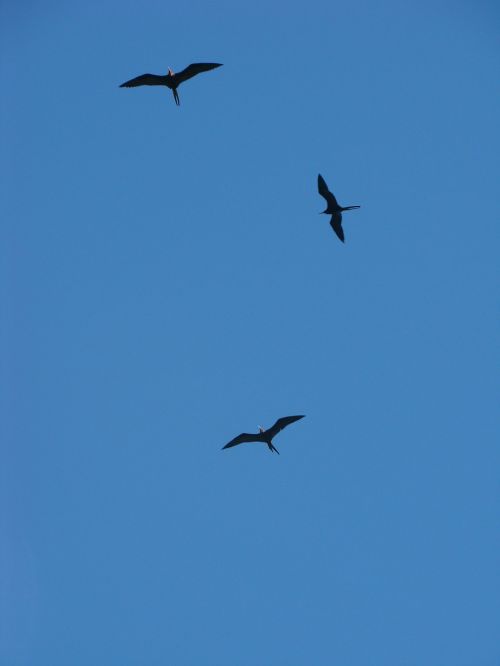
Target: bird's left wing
[(144, 80), (282, 423), (241, 439), (325, 192), (194, 69)]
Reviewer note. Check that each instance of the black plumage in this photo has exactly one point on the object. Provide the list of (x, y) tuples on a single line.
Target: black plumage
[(264, 436), (171, 80), (333, 208)]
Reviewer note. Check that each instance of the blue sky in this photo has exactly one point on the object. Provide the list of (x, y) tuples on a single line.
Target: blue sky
[(167, 283)]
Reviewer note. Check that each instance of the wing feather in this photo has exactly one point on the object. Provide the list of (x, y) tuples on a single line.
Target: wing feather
[(194, 69), (241, 439), (325, 192), (336, 224), (144, 80), (282, 423)]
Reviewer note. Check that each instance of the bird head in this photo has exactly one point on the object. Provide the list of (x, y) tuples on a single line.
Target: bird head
[(261, 429), (170, 72)]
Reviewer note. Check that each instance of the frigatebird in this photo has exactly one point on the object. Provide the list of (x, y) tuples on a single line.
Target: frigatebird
[(333, 208), (171, 80), (264, 436)]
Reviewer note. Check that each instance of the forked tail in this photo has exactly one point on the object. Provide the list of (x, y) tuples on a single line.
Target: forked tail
[(176, 97)]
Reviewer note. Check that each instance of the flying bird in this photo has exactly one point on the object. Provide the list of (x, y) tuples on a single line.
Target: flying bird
[(333, 208), (264, 436), (171, 80)]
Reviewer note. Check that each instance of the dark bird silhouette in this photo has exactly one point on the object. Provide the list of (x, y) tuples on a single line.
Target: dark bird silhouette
[(264, 436), (333, 208), (171, 80)]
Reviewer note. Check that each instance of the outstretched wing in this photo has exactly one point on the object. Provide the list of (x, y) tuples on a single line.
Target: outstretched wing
[(144, 80), (241, 439), (194, 69), (282, 423), (336, 224), (325, 192)]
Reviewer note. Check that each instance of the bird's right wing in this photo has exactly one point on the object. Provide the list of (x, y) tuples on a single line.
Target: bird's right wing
[(144, 80), (282, 423), (336, 224), (325, 192), (194, 69), (241, 439)]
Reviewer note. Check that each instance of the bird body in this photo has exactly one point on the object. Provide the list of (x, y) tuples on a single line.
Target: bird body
[(333, 208), (264, 436), (170, 79)]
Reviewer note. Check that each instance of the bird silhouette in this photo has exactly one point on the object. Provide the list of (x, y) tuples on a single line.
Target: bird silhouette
[(264, 436), (171, 80), (333, 208)]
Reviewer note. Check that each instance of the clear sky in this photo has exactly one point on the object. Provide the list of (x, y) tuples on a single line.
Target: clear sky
[(166, 283)]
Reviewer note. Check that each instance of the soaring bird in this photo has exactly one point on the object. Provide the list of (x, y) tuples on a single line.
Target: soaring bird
[(333, 208), (264, 436), (171, 80)]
